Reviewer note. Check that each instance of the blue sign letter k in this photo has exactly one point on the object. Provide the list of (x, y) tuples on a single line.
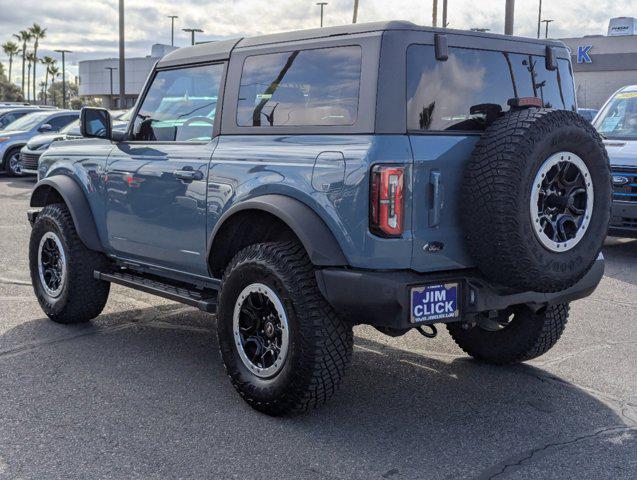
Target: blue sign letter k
[(582, 54)]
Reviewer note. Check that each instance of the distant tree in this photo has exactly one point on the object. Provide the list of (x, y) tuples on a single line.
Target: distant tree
[(32, 60), (10, 49), (37, 33), (54, 72), (25, 37), (42, 92), (55, 92), (48, 62), (8, 91)]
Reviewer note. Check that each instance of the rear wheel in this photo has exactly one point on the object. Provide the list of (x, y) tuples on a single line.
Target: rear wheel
[(62, 269), (513, 335), (13, 165), (284, 347)]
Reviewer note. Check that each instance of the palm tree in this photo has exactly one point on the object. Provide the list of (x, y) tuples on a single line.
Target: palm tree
[(37, 32), (47, 62), (32, 60), (23, 36), (54, 72), (43, 86), (11, 49)]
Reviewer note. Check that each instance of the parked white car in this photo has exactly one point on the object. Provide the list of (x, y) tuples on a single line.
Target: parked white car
[(617, 123)]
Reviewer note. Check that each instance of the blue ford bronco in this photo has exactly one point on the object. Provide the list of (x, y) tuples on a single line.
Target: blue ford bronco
[(299, 184)]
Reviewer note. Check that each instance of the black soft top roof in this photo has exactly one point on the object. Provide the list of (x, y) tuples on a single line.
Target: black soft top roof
[(221, 50)]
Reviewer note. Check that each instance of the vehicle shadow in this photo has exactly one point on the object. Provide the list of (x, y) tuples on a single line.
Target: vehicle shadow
[(144, 395), (621, 256), (22, 184)]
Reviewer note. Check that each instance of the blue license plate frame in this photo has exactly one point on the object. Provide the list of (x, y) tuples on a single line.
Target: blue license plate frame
[(439, 302)]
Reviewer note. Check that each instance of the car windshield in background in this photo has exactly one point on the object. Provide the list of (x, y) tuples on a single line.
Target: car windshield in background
[(618, 120), (28, 122), (73, 128), (124, 117), (459, 93), (306, 87)]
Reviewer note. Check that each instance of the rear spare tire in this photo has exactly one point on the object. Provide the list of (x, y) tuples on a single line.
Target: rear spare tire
[(536, 199)]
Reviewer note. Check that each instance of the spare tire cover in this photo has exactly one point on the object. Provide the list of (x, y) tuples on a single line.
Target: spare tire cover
[(536, 199)]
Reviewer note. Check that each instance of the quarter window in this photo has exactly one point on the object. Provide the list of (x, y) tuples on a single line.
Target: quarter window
[(459, 94), (317, 87), (180, 105)]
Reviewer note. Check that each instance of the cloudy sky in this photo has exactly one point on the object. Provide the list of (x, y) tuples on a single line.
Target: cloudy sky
[(89, 27)]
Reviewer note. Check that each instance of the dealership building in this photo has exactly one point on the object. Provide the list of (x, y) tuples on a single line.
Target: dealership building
[(95, 77), (604, 63)]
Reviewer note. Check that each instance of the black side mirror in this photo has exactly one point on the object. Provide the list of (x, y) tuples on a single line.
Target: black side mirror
[(96, 123), (45, 127)]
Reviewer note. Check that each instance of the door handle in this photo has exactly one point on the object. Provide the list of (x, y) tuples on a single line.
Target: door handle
[(435, 207), (188, 175)]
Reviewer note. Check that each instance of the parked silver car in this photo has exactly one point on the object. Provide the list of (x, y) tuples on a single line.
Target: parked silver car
[(31, 152), (18, 133)]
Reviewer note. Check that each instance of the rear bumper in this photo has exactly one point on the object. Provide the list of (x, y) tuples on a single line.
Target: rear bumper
[(382, 299), (623, 222)]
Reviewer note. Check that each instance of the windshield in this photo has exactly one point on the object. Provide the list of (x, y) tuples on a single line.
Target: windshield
[(124, 117), (28, 122), (618, 120)]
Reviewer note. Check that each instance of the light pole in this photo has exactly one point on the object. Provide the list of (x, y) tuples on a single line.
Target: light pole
[(434, 14), (444, 14), (355, 18), (172, 29), (110, 69), (539, 18), (63, 52), (122, 58), (322, 5), (547, 21), (192, 33), (509, 14)]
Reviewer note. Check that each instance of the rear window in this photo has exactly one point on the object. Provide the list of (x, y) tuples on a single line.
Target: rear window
[(452, 94), (300, 88)]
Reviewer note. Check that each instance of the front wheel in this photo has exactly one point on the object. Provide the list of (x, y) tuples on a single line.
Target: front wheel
[(13, 165), (513, 335), (284, 347), (62, 269)]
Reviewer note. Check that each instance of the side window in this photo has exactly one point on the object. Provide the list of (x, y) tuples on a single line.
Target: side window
[(459, 94), (58, 123), (8, 118), (180, 105), (317, 87)]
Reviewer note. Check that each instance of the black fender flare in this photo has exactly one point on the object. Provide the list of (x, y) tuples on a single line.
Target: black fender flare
[(76, 202), (318, 240)]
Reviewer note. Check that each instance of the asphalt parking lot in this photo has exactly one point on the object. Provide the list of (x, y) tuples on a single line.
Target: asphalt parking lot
[(141, 393)]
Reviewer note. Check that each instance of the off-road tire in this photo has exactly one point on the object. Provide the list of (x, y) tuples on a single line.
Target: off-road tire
[(496, 194), (83, 297), (528, 336), (7, 162), (320, 343)]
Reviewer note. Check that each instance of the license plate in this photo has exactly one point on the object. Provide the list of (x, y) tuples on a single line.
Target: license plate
[(435, 302)]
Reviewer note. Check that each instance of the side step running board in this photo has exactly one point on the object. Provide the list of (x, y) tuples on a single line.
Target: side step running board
[(205, 300)]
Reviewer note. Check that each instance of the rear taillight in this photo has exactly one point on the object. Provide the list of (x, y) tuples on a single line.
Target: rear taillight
[(387, 201)]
